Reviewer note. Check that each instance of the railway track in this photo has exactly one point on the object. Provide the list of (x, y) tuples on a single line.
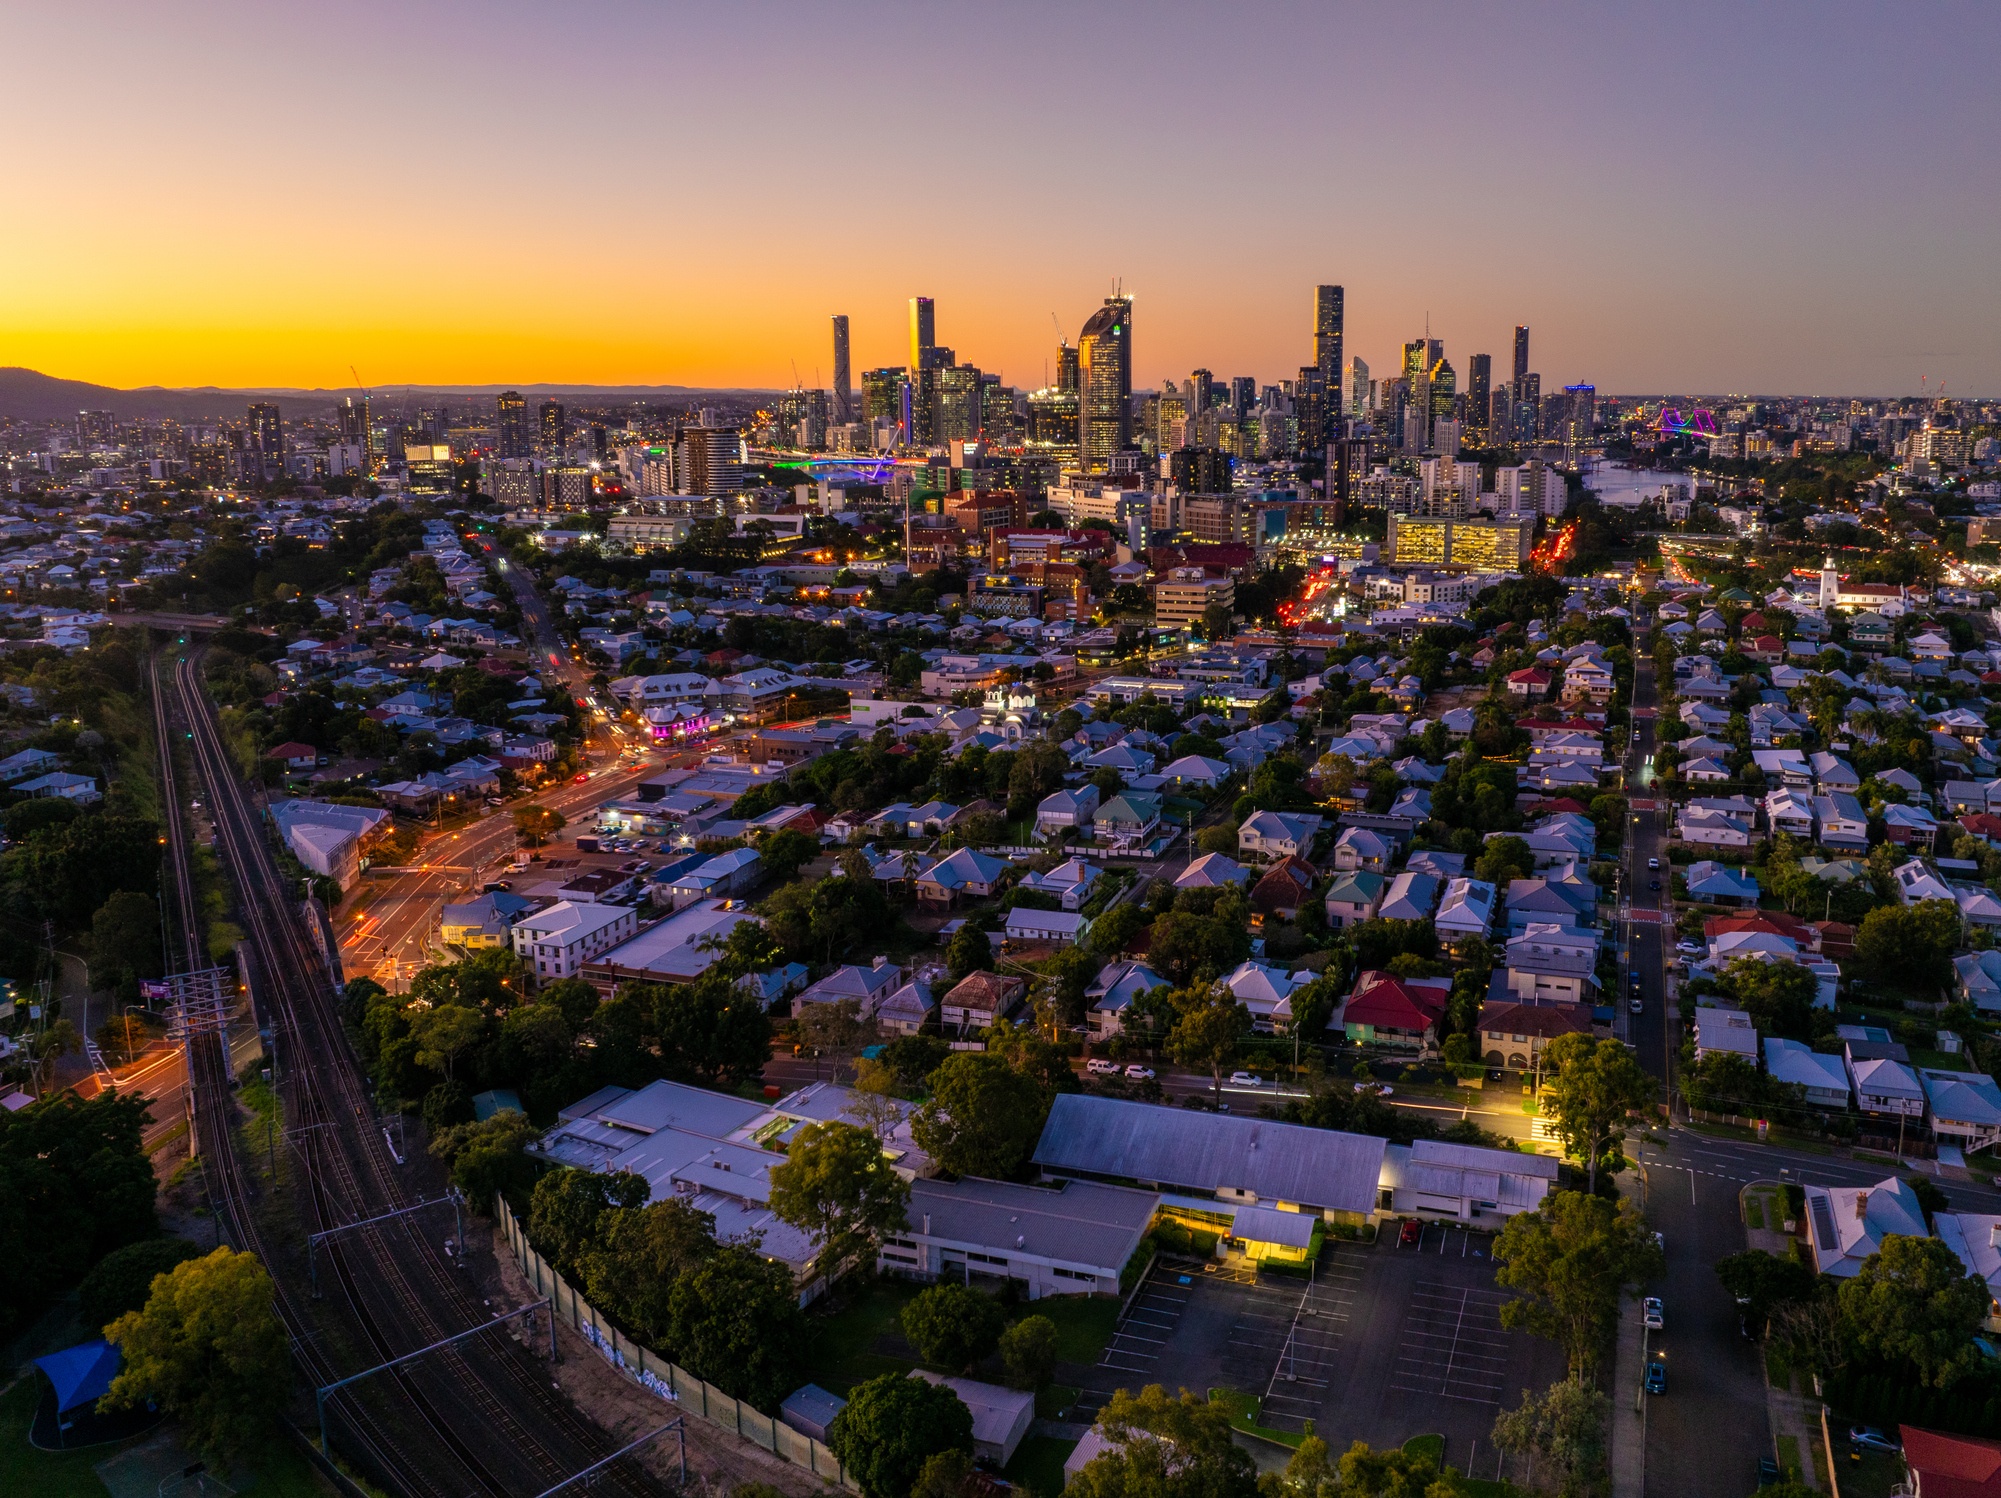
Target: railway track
[(479, 1418)]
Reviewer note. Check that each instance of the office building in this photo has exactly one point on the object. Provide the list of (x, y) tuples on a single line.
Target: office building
[(1201, 392), (555, 425), (1328, 314), (1052, 427), (1521, 356), (1581, 413), (1470, 545), (1199, 470), (1531, 489), (1528, 407), (1309, 409), (1359, 388), (1105, 384), (882, 395), (357, 427), (1186, 593), (998, 427), (955, 409), (844, 395), (1243, 396), (709, 460), (513, 424), (923, 332), (1067, 375), (1479, 396)]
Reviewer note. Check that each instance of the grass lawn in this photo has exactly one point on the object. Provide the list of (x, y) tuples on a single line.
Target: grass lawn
[(1084, 1324), (1245, 1410), (1789, 1456), (1431, 1448), (1038, 1464), (1869, 1474), (282, 1471)]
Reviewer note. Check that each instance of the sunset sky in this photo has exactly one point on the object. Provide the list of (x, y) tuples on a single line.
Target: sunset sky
[(1766, 198)]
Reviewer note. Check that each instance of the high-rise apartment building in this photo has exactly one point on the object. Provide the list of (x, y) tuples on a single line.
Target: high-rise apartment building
[(1582, 413), (709, 460), (555, 425), (998, 427), (1309, 409), (1201, 392), (955, 413), (1479, 396), (1105, 380), (1328, 315), (1528, 407), (1521, 355), (513, 424), (844, 394), (1358, 386), (357, 428), (1199, 470), (267, 432), (923, 332), (1243, 396), (1444, 383), (882, 394)]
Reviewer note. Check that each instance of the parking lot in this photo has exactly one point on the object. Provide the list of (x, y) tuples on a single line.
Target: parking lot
[(1385, 1341)]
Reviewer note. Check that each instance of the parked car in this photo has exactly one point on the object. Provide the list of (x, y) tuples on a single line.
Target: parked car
[(1380, 1089), (1637, 1004), (1098, 1066), (1245, 1079), (1652, 1314), (1657, 1378), (1689, 948), (1138, 1073), (1653, 864), (1653, 884), (1411, 1231), (1869, 1438)]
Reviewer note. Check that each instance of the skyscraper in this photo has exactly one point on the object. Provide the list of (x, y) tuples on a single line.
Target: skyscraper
[(1328, 302), (844, 395), (1066, 365), (1309, 408), (1358, 388), (1479, 395), (1201, 392), (1521, 355), (513, 425), (266, 431), (1528, 407), (923, 332), (357, 427), (1105, 378), (555, 424)]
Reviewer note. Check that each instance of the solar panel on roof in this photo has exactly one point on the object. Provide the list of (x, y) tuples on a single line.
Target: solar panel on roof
[(1823, 1221)]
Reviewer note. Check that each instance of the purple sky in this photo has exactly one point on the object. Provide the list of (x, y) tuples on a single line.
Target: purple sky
[(1765, 198)]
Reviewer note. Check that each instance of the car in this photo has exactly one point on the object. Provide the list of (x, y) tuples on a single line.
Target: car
[(495, 887), (1098, 1066), (1138, 1073), (1652, 1316), (1245, 1079), (1637, 1004), (1689, 948), (1657, 1378), (1653, 864), (580, 777), (1869, 1438), (1653, 884), (1380, 1089), (1410, 1233)]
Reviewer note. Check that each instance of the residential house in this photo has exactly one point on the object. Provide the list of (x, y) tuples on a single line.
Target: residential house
[(480, 923), (1790, 812), (1268, 835), (1513, 1031), (1846, 1225), (964, 872), (1286, 886), (1391, 1011), (1719, 883), (1128, 820), (979, 999), (1548, 962), (1057, 928), (1212, 871), (1068, 811), (1363, 848), (1965, 1107), (1113, 991), (1466, 910), (1266, 991), (1979, 979), (1549, 902), (1716, 822), (557, 942), (867, 986), (1883, 1083), (1530, 685), (1976, 1238), (1823, 1078), (1411, 897), (1196, 769), (1843, 824), (726, 874), (1725, 1032), (1353, 898), (1071, 882)]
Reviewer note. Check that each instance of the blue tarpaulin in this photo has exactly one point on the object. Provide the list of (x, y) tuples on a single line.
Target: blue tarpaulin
[(82, 1373)]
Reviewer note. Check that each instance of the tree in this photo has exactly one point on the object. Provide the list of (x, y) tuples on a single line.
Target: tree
[(123, 1278), (489, 1159), (443, 1034), (969, 951), (1311, 1472), (838, 1186), (1221, 838), (1191, 1453), (209, 1349), (710, 1030), (1913, 1303), (537, 824), (1502, 859), (1028, 1348), (736, 1323), (891, 1425), (787, 851), (1562, 1433), (875, 1105), (1596, 1083), (1391, 1473), (1217, 621), (1762, 1282), (50, 1046), (1910, 945), (1568, 1260), (982, 1118), (835, 1028), (953, 1326), (566, 1214), (1208, 1032), (125, 942), (636, 1255), (1779, 996)]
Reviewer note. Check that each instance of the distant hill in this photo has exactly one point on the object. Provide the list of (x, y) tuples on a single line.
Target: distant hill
[(29, 395)]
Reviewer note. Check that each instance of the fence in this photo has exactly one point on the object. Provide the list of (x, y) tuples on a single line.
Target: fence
[(663, 1378)]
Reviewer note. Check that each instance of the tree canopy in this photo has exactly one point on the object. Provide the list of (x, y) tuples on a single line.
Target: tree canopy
[(982, 1118), (1568, 1262), (891, 1425)]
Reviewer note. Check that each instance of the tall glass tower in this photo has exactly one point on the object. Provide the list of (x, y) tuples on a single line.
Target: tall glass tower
[(844, 394), (1105, 377)]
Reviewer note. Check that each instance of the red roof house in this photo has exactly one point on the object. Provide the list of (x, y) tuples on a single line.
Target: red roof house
[(1943, 1466), (294, 756), (1530, 684), (1395, 1011)]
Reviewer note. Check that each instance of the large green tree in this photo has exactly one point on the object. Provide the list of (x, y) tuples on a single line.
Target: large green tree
[(567, 1211), (489, 1159), (1209, 1030), (711, 1031), (1568, 1262), (1914, 1304), (1593, 1085), (838, 1186), (1910, 945), (953, 1326), (982, 1118), (891, 1424), (736, 1323), (1163, 1447), (1562, 1432), (637, 1255), (209, 1349)]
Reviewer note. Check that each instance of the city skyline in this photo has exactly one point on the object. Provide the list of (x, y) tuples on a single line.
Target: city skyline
[(1702, 199)]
